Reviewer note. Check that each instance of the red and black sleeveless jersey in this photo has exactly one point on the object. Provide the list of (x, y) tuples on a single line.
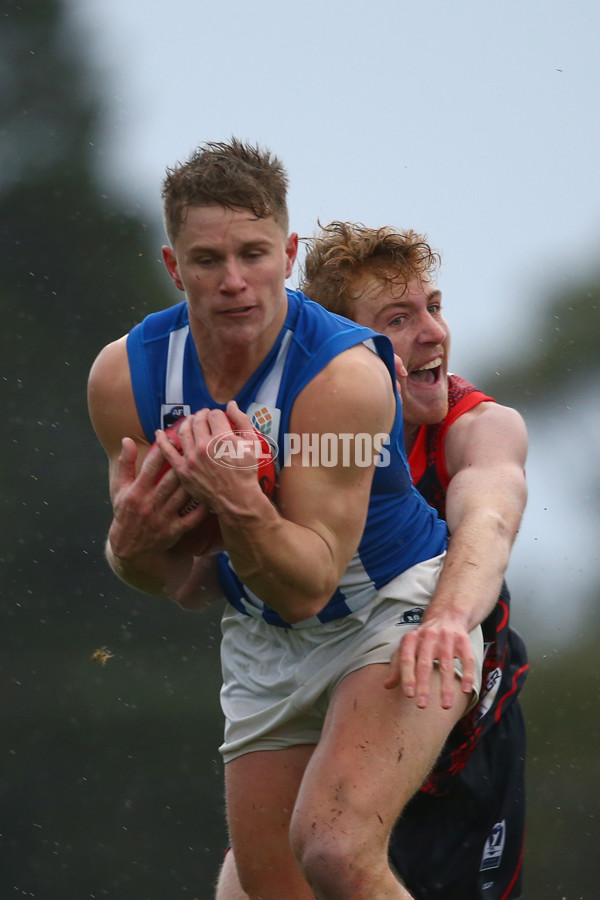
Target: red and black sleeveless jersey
[(427, 459), (505, 664)]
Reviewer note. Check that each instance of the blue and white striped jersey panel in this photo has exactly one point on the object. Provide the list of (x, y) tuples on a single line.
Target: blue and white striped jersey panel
[(174, 373), (355, 590)]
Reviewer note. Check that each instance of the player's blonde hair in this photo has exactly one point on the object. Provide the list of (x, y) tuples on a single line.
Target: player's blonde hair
[(233, 174), (343, 252)]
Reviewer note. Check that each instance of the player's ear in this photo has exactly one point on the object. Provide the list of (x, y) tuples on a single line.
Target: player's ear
[(291, 252), (170, 261)]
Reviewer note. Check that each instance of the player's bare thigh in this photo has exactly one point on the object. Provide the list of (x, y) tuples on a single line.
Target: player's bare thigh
[(376, 750)]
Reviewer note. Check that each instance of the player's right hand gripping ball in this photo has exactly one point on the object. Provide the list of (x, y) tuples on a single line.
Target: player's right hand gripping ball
[(206, 537)]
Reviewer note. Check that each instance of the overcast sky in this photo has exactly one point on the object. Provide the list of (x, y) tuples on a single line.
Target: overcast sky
[(475, 121)]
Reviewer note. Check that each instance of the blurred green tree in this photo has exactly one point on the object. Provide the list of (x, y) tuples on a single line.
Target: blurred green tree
[(562, 349), (102, 766), (77, 266)]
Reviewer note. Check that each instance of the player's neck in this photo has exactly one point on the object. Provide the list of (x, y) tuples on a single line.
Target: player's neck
[(227, 365), (222, 384)]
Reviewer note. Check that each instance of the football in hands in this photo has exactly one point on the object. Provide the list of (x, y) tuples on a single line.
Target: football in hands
[(206, 536)]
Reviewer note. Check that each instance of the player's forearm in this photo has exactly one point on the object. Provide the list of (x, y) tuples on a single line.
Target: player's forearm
[(161, 573), (291, 568), (202, 587), (476, 560)]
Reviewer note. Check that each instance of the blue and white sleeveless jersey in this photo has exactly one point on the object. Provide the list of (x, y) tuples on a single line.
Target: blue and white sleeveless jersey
[(401, 529)]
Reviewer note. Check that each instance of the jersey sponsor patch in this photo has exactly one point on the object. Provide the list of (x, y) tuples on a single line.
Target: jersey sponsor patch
[(494, 847), (172, 412), (264, 418)]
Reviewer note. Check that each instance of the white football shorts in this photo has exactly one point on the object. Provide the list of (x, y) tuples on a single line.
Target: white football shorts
[(278, 682)]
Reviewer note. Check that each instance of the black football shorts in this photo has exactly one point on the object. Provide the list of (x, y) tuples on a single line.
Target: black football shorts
[(468, 843)]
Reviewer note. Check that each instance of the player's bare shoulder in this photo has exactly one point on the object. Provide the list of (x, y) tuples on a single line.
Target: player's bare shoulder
[(356, 391), (110, 363), (487, 432), (111, 403)]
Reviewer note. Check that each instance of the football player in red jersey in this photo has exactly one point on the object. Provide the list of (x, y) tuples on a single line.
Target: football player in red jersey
[(461, 837)]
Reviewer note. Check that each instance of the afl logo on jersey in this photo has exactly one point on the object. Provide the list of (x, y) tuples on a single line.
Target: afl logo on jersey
[(171, 413), (494, 847)]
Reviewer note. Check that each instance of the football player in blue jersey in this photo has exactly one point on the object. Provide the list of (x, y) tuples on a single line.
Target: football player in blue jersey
[(322, 748), (461, 837)]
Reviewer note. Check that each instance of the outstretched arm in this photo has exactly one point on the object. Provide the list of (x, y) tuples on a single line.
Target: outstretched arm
[(485, 451)]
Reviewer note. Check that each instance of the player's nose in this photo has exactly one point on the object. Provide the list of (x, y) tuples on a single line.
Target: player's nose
[(433, 330), (232, 278)]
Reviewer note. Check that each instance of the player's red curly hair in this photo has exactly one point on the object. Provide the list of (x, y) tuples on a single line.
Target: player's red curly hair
[(343, 252)]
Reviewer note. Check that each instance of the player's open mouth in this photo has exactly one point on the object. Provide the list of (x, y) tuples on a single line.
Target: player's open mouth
[(427, 374)]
